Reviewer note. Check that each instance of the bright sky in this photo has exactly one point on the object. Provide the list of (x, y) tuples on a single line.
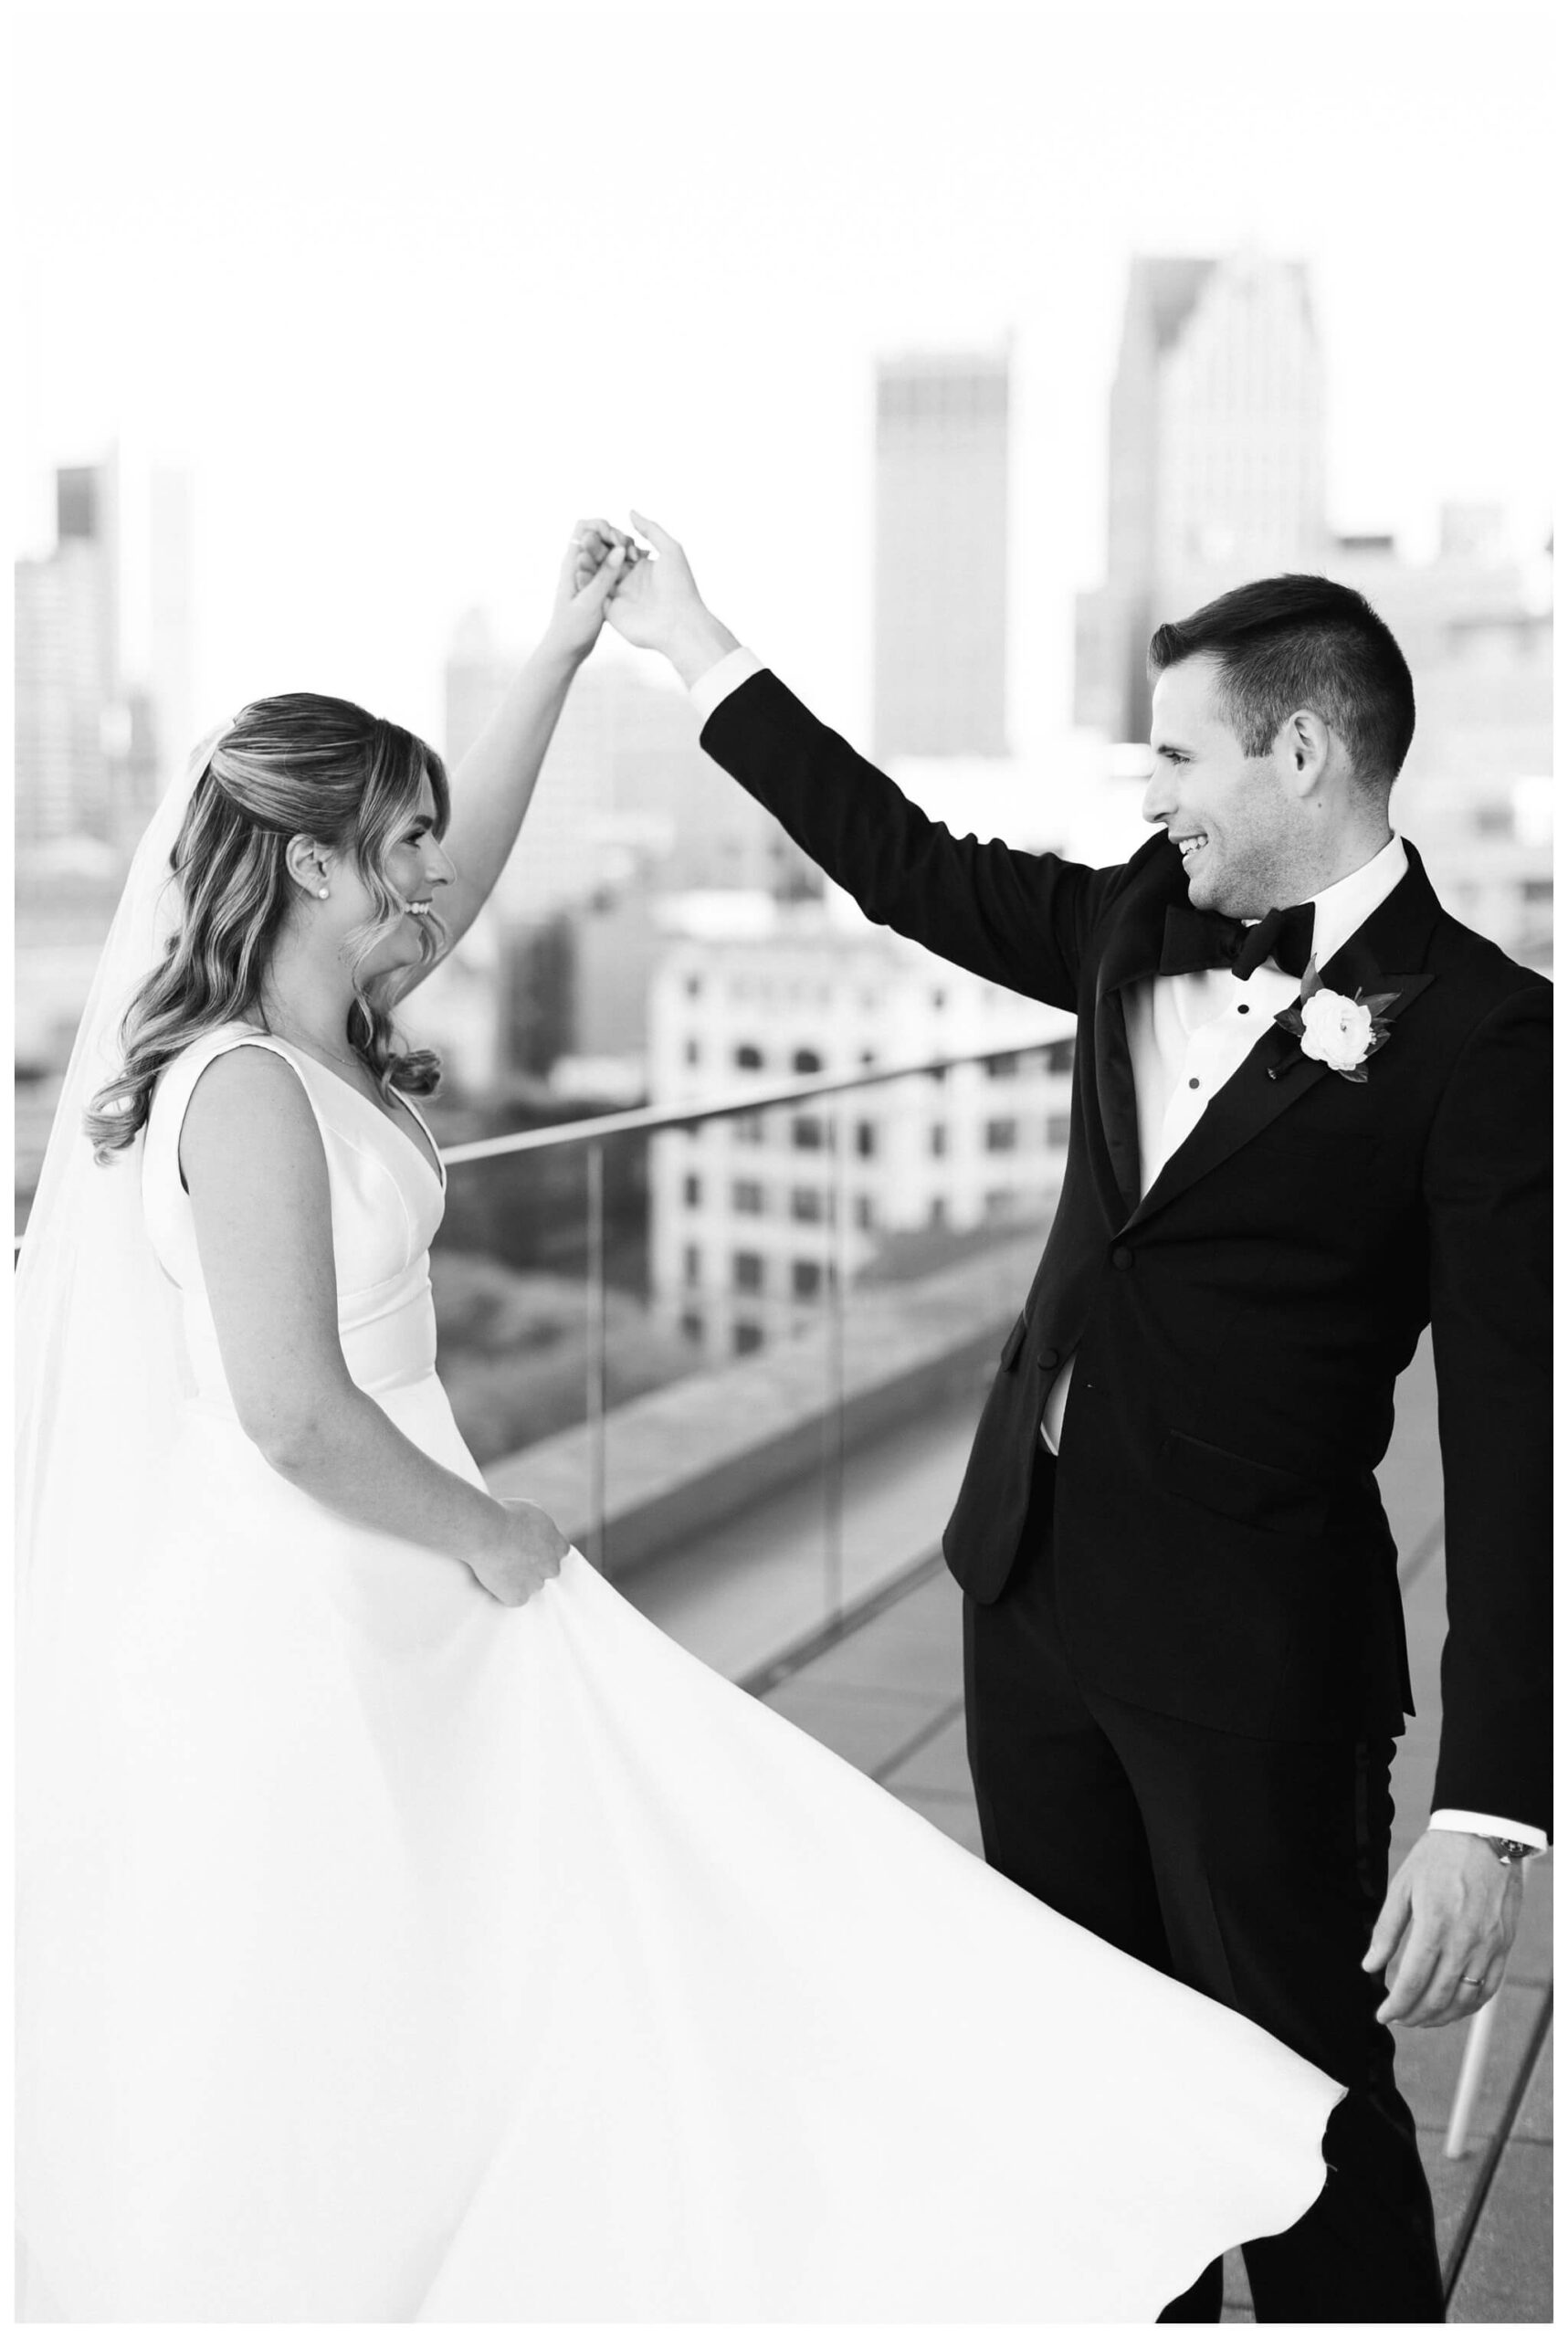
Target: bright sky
[(407, 290)]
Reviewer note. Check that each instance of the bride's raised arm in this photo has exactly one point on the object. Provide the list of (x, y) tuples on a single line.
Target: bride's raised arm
[(494, 784)]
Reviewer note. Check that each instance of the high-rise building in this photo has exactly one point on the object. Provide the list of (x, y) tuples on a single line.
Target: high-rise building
[(941, 620), (103, 655), (1217, 460)]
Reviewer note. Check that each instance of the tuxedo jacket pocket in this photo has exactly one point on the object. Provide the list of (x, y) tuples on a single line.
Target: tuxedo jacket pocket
[(1234, 1486)]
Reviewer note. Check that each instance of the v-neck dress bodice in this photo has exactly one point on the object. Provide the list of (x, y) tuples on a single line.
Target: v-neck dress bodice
[(386, 1205)]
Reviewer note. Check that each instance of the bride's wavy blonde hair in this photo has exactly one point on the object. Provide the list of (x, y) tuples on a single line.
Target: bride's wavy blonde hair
[(297, 764)]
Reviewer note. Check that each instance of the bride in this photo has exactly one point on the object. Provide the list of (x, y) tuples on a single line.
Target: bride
[(407, 1930)]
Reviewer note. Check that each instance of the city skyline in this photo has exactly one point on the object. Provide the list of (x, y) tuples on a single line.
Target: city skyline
[(707, 350)]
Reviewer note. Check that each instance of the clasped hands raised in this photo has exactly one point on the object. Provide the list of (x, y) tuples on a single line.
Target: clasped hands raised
[(645, 589)]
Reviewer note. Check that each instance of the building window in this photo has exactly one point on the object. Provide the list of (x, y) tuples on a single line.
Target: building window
[(693, 1263), (867, 1056), (1001, 1136), (691, 1328), (746, 1197), (693, 1193), (1060, 1054), (866, 1139), (938, 1000), (865, 1213), (748, 1270), (748, 1128), (693, 986), (938, 1140), (748, 1059), (936, 1214), (804, 1278), (806, 1205), (807, 1059), (805, 1133), (998, 1204), (1002, 1068), (748, 1338), (693, 1052), (1058, 1130)]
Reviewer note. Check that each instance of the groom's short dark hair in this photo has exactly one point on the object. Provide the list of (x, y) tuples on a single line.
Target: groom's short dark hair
[(1302, 641)]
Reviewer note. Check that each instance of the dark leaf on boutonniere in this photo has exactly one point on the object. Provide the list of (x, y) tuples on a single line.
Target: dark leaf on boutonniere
[(1375, 1003), (1312, 980), (1288, 1021)]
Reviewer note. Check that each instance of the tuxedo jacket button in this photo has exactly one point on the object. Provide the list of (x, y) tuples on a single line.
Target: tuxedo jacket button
[(1048, 1359), (1121, 1256)]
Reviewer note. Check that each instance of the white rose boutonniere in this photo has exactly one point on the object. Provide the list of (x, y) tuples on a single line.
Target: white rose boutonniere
[(1334, 1030)]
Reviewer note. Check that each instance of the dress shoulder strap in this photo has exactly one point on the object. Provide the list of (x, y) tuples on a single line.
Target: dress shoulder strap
[(176, 1084)]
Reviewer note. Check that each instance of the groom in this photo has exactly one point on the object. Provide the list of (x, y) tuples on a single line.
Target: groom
[(1310, 1114)]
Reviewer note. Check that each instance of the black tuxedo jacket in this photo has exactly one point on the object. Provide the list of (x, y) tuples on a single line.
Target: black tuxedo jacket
[(1221, 1552)]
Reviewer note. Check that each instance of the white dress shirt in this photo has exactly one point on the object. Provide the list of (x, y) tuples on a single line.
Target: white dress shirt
[(1187, 1035)]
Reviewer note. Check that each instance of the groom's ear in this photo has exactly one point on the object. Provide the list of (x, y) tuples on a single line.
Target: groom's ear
[(1303, 749)]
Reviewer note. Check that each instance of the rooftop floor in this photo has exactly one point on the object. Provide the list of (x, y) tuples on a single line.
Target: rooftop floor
[(886, 1692)]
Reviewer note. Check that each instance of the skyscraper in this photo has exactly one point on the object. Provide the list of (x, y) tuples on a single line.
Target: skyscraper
[(103, 655), (1216, 460), (942, 555)]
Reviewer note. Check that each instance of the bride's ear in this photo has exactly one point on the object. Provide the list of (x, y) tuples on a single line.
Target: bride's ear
[(308, 864)]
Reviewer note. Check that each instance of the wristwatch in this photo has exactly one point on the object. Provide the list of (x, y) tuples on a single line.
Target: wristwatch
[(1508, 1851)]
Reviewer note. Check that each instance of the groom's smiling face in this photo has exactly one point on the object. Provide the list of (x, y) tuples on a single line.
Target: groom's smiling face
[(1229, 812)]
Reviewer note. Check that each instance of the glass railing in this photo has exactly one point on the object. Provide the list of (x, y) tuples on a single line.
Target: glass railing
[(737, 1344)]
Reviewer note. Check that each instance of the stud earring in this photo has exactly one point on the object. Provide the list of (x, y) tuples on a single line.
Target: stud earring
[(321, 892)]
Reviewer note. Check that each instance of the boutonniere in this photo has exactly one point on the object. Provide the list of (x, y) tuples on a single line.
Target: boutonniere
[(1332, 1029)]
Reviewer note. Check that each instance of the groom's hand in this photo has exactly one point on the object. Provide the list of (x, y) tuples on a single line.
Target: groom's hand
[(1455, 1907), (657, 606)]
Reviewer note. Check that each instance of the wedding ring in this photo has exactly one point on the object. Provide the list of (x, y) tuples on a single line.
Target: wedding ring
[(1468, 1984)]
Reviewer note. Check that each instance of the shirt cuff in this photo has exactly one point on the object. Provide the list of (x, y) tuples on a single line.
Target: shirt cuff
[(1475, 1822), (712, 689)]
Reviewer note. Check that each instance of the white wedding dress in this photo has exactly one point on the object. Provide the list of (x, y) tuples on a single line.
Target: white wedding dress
[(457, 1963)]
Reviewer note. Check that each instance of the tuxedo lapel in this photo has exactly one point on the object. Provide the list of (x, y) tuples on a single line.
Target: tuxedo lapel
[(1132, 952), (1275, 1076)]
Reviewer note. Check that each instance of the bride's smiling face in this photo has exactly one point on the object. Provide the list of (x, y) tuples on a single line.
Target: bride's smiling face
[(413, 868)]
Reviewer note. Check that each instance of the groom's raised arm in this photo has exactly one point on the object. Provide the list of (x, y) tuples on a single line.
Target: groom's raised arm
[(1016, 918)]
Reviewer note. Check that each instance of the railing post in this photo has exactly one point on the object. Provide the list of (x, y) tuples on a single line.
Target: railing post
[(597, 1353), (832, 1415)]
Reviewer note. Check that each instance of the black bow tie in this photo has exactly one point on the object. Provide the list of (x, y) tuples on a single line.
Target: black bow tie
[(1196, 940)]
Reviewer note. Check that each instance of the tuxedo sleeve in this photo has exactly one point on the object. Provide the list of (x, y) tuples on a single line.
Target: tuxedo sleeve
[(1487, 1192), (1020, 918)]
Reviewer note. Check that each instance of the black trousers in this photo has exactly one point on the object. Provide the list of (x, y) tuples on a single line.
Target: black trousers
[(1249, 1870)]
